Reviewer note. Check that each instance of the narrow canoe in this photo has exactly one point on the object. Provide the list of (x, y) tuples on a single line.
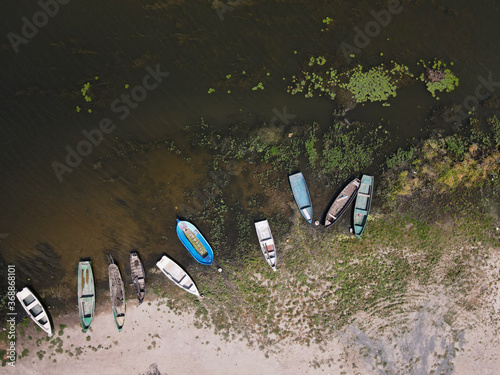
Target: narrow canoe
[(34, 309), (175, 273), (86, 294), (138, 276), (116, 293), (301, 195), (266, 242), (362, 205), (342, 202), (194, 241)]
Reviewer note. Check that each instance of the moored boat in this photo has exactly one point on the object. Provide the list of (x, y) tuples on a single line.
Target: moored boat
[(138, 276), (194, 241), (301, 195), (86, 294), (175, 273), (341, 202), (116, 293), (35, 309), (362, 205), (266, 242)]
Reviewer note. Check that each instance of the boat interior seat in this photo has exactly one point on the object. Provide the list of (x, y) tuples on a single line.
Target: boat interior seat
[(360, 211), (364, 195), (87, 296)]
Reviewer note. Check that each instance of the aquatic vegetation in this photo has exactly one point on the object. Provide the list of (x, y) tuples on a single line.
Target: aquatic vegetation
[(327, 21), (127, 85), (259, 86), (211, 90), (377, 84), (78, 109), (346, 153), (319, 79), (228, 76), (84, 90), (445, 164), (400, 157), (438, 78), (311, 151)]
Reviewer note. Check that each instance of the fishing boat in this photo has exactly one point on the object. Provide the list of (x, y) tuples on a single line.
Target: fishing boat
[(34, 309), (194, 241), (175, 273), (301, 195), (117, 293), (362, 205), (138, 276), (86, 294), (266, 242), (342, 202)]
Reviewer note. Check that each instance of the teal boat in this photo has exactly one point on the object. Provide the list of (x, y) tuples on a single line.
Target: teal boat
[(301, 195), (86, 294), (362, 205)]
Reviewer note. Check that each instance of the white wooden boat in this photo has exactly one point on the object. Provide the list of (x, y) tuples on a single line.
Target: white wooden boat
[(175, 273), (117, 293), (34, 309), (266, 242), (138, 276)]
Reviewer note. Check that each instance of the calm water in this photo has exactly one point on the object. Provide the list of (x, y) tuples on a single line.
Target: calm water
[(130, 202)]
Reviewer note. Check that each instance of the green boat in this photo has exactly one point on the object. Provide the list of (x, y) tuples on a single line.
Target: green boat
[(86, 294), (362, 205)]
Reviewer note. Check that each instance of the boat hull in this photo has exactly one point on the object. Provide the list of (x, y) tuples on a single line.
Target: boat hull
[(138, 276), (342, 202), (301, 195), (198, 247), (34, 309), (86, 294), (266, 242), (177, 275), (117, 295), (363, 204)]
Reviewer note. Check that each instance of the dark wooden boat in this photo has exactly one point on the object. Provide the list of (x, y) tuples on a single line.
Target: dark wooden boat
[(342, 202), (138, 276), (116, 293)]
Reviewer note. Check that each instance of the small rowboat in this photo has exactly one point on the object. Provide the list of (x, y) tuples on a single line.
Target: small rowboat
[(266, 242), (138, 276), (301, 195), (194, 241), (34, 309), (362, 205), (117, 293), (341, 203), (175, 273), (86, 294)]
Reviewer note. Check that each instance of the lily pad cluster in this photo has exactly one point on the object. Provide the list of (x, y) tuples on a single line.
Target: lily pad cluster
[(438, 78), (377, 84), (315, 79)]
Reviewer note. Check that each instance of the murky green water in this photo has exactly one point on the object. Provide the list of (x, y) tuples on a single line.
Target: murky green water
[(119, 201)]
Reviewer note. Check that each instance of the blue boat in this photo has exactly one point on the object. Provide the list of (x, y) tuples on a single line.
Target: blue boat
[(194, 241), (301, 195), (362, 205)]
